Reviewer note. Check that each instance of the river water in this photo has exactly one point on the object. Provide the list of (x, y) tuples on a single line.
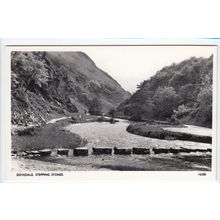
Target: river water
[(104, 134)]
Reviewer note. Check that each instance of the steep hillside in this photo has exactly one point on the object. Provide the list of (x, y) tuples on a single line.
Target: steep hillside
[(44, 84), (180, 92)]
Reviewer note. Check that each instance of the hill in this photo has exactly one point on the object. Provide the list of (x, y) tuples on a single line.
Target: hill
[(179, 93), (48, 84)]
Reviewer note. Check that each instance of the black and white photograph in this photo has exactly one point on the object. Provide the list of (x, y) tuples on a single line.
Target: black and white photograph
[(109, 110), (112, 108)]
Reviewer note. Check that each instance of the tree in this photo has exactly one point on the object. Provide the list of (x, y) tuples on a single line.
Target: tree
[(187, 93), (181, 111), (165, 100), (204, 99), (95, 107), (31, 69), (135, 110), (149, 109), (112, 112), (188, 83)]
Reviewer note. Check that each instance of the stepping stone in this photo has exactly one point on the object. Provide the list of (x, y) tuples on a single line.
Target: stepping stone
[(27, 152), (174, 150), (29, 156), (45, 152), (23, 154), (35, 153), (193, 150), (122, 151), (161, 150), (80, 151), (185, 150), (101, 150), (14, 152), (63, 151), (202, 150), (140, 150)]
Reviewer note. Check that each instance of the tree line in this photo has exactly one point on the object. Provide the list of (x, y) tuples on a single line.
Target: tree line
[(177, 93)]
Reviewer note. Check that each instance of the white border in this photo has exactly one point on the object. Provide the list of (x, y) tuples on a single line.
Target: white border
[(95, 175)]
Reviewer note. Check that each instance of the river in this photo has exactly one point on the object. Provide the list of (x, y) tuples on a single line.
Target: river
[(105, 134)]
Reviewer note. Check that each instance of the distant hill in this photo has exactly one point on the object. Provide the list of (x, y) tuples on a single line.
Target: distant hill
[(180, 93), (44, 84)]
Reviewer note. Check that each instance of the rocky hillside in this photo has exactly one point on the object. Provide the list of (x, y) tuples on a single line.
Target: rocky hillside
[(180, 93), (45, 84)]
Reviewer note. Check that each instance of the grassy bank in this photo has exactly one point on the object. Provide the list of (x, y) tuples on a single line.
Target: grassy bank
[(155, 131), (52, 135), (46, 136)]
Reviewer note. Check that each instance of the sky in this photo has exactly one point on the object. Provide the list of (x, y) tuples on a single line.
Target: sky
[(130, 65)]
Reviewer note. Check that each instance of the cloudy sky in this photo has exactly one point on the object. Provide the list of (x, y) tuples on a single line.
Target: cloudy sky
[(130, 65)]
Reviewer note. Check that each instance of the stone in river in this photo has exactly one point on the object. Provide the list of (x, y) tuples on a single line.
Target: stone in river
[(122, 150), (202, 150), (140, 150), (174, 150), (45, 152), (63, 151), (35, 153), (184, 150), (161, 150), (14, 152), (80, 151), (101, 150)]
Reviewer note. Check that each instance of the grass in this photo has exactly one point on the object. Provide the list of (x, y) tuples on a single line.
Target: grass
[(155, 131), (47, 136), (52, 135)]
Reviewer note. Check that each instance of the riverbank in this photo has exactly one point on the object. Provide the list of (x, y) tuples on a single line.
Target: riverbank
[(162, 162), (110, 135), (167, 133), (51, 135)]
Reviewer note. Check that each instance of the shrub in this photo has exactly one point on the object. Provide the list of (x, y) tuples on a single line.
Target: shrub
[(135, 111), (95, 107), (182, 111), (174, 120), (26, 131), (112, 121), (101, 119), (165, 100), (112, 112)]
